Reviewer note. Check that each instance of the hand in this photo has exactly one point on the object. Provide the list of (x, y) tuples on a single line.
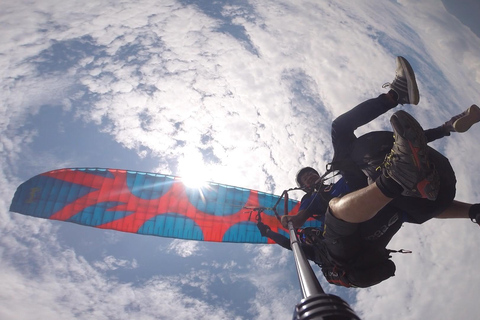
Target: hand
[(286, 219), (263, 228)]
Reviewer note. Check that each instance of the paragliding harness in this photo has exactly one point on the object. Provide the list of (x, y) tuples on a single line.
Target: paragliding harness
[(356, 273), (333, 272), (372, 268)]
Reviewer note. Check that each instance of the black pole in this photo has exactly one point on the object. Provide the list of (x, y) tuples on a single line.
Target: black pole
[(316, 304)]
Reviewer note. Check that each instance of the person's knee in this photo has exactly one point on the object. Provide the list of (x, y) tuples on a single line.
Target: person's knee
[(334, 208), (340, 125)]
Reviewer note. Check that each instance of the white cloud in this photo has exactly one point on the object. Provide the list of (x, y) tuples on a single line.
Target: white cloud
[(261, 113), (185, 248), (429, 278), (57, 282), (268, 257), (112, 263)]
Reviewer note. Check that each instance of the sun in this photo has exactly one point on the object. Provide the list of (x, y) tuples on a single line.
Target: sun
[(197, 181), (194, 176)]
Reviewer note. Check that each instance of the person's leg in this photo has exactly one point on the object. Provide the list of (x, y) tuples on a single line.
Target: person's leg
[(408, 162), (462, 210), (369, 152), (403, 89), (463, 121), (418, 210), (360, 205), (406, 171), (457, 210), (459, 123), (344, 126), (344, 139)]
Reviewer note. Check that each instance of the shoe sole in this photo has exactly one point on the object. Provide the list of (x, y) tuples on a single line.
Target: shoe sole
[(413, 93), (410, 130), (465, 122)]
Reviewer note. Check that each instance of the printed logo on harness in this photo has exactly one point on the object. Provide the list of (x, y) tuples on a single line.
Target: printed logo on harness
[(381, 231), (336, 276)]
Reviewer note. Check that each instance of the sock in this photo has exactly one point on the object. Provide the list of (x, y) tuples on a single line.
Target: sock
[(393, 94), (389, 187), (473, 212), (446, 129)]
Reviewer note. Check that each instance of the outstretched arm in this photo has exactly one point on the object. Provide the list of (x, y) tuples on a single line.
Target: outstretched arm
[(457, 210), (266, 231), (298, 220)]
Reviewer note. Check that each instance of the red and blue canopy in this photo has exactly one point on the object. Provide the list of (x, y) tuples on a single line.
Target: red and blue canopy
[(150, 203)]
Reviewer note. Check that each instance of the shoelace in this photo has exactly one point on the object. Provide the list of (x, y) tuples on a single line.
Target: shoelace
[(458, 116), (387, 162)]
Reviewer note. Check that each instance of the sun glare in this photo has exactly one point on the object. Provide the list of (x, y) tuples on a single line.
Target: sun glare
[(194, 181), (193, 172), (193, 176)]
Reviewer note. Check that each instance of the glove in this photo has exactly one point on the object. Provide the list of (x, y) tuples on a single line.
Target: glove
[(263, 228)]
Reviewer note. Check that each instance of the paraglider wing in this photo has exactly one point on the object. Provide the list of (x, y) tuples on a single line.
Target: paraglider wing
[(149, 203)]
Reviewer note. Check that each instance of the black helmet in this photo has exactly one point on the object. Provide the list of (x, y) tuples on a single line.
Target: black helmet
[(301, 172)]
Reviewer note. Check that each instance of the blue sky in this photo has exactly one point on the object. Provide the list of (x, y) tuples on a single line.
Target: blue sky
[(237, 92)]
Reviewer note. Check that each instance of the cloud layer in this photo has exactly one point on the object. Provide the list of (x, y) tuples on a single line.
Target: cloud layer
[(243, 92)]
